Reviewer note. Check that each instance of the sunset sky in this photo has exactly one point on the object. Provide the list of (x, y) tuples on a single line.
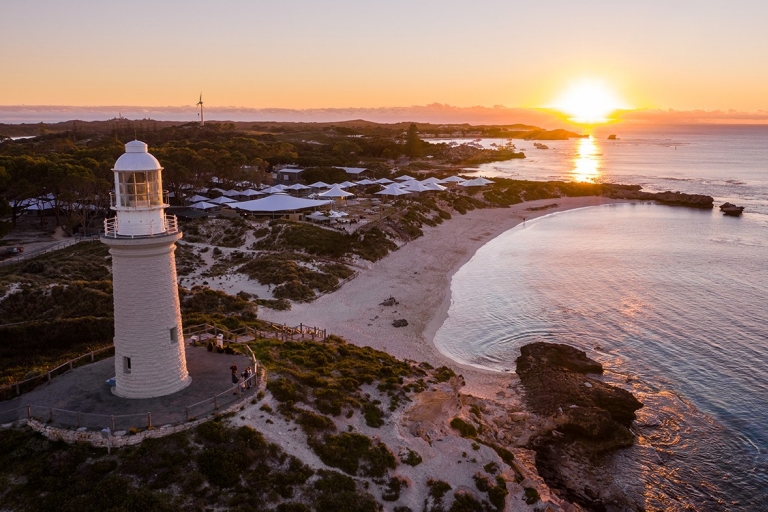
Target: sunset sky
[(335, 53)]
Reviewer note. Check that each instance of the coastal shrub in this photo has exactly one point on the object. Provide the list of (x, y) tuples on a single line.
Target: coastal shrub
[(411, 458), (373, 415), (502, 452), (491, 468), (285, 390), (393, 488), (437, 488), (531, 495), (443, 374), (353, 453), (48, 344), (338, 493), (464, 428), (465, 502), (313, 423), (497, 494), (201, 299)]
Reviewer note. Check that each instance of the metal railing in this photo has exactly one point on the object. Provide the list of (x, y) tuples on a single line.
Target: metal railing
[(14, 389), (138, 421), (205, 332), (170, 225)]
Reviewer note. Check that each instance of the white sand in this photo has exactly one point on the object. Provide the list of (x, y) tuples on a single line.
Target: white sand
[(418, 276)]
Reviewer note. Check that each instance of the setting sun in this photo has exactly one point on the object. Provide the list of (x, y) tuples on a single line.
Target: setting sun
[(588, 102)]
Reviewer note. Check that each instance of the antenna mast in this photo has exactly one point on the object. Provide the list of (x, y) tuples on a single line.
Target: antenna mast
[(200, 104)]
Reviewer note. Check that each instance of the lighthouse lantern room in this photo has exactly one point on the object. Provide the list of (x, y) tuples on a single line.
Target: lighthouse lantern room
[(149, 348)]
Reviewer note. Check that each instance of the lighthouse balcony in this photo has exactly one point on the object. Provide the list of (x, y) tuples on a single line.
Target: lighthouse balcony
[(168, 225)]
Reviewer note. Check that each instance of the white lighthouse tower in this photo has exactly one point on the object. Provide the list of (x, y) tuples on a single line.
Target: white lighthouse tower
[(149, 349)]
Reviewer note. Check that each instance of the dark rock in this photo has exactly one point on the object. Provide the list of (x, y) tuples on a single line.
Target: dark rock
[(389, 302), (400, 323), (669, 198), (591, 419)]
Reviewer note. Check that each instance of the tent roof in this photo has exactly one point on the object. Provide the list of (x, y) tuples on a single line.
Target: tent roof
[(320, 184), (336, 191), (203, 205), (393, 190), (415, 186), (454, 179), (477, 182), (404, 177), (279, 202), (197, 198), (221, 200)]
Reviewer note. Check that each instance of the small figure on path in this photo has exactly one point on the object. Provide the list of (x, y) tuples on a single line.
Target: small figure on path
[(247, 375)]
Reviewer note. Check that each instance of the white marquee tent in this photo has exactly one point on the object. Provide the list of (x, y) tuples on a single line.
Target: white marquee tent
[(280, 202)]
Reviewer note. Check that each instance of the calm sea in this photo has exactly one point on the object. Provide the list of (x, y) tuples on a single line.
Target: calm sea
[(673, 301)]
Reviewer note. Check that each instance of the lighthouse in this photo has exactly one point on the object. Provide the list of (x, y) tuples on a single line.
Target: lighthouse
[(149, 346)]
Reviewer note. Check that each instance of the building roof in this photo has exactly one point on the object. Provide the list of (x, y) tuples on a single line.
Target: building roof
[(291, 170), (279, 202), (353, 170)]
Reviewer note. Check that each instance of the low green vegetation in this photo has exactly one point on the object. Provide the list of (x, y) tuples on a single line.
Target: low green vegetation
[(224, 232), (355, 454), (327, 375), (214, 466), (531, 495), (464, 428)]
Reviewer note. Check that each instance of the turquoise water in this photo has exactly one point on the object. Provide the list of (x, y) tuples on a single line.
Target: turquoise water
[(673, 301)]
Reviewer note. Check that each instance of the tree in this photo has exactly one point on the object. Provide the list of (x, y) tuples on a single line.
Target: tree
[(413, 142)]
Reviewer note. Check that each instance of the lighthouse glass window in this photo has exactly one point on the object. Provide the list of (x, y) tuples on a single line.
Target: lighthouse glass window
[(140, 189)]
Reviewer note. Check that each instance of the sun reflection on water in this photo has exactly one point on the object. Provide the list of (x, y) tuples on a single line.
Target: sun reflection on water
[(586, 165)]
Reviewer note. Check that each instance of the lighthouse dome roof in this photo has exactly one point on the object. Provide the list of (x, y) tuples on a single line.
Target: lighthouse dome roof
[(137, 158)]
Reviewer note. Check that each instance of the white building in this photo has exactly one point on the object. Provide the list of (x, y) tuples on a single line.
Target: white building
[(149, 347)]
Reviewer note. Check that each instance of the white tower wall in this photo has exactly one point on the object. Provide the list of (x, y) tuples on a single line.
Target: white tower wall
[(148, 327)]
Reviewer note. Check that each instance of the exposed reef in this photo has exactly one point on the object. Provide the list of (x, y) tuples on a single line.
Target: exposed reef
[(583, 421), (669, 198)]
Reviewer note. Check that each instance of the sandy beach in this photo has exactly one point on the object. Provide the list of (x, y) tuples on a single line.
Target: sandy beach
[(418, 276)]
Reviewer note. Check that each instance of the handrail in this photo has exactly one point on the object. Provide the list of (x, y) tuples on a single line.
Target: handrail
[(48, 376), (170, 226)]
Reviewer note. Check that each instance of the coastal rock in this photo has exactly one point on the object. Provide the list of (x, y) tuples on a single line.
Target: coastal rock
[(588, 422), (554, 376), (668, 197), (402, 322)]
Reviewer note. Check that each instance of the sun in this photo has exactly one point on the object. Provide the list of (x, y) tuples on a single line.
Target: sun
[(588, 102)]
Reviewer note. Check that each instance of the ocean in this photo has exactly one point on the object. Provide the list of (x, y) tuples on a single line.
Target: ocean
[(673, 301)]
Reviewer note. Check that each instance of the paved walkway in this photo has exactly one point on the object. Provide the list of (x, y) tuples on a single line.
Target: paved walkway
[(83, 390)]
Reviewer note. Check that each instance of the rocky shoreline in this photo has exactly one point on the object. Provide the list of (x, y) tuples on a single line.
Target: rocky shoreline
[(584, 421), (669, 198)]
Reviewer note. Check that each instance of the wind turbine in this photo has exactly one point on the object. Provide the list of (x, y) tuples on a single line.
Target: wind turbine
[(200, 104)]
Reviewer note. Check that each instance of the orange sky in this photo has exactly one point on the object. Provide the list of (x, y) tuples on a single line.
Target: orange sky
[(338, 53)]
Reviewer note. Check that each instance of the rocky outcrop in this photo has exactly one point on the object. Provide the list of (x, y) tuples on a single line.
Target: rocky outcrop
[(670, 198), (586, 420)]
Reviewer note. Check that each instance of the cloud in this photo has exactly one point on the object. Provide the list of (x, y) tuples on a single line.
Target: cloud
[(434, 113)]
